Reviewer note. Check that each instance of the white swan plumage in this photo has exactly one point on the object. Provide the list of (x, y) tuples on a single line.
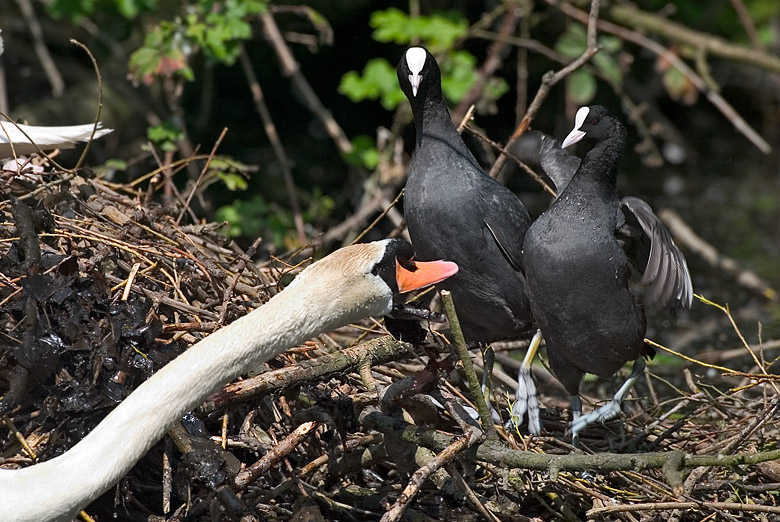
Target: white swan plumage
[(46, 138), (352, 283)]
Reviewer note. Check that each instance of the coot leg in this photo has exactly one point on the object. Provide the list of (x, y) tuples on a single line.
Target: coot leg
[(525, 394), (576, 413), (609, 410), (488, 359)]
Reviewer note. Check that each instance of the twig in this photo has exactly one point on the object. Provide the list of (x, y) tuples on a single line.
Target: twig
[(280, 451), (549, 80), (462, 485), (242, 262), (378, 218), (292, 69), (505, 151), (496, 453), (687, 36), (378, 351), (716, 99), (419, 477), (665, 506), (203, 171), (685, 235), (492, 62), (49, 67), (747, 23), (276, 142), (100, 102), (463, 353)]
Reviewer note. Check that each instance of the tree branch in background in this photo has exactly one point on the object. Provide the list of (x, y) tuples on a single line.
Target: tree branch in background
[(684, 235), (716, 99), (47, 63), (292, 70), (633, 17), (491, 64), (549, 80), (276, 142)]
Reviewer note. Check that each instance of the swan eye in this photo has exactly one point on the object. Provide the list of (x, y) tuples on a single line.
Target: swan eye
[(407, 263)]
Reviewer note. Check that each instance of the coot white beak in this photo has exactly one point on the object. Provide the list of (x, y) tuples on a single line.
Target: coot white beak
[(414, 79), (576, 134)]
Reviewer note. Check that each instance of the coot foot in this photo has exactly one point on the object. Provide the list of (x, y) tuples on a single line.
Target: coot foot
[(610, 410), (525, 394)]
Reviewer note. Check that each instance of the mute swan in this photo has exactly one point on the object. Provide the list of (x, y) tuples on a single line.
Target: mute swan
[(352, 283), (47, 138)]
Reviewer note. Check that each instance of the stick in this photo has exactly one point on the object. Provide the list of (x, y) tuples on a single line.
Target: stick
[(463, 352), (549, 80)]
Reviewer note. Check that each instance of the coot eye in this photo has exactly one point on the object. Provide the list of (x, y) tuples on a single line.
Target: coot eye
[(594, 121)]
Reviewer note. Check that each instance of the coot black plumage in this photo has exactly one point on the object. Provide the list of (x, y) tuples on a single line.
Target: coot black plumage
[(453, 206), (578, 257), (454, 209)]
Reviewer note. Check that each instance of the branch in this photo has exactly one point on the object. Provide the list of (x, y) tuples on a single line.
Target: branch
[(463, 352), (494, 452), (292, 69), (281, 450), (670, 30), (660, 506), (458, 446), (549, 80), (491, 64), (684, 235), (716, 99), (276, 142), (377, 351)]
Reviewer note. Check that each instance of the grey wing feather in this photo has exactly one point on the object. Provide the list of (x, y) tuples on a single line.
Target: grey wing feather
[(665, 272)]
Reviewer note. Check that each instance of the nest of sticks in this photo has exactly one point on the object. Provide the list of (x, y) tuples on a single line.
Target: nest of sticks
[(98, 290)]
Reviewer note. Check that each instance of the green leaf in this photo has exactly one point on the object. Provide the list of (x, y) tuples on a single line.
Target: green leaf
[(378, 81), (165, 135), (391, 25), (363, 153), (458, 75), (572, 43), (675, 82), (438, 32), (581, 87), (608, 66), (75, 10), (233, 181)]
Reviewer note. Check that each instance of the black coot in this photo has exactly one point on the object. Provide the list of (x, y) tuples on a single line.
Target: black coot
[(578, 259), (454, 210)]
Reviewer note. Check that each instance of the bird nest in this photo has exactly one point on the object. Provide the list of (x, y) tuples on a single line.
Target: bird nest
[(100, 289)]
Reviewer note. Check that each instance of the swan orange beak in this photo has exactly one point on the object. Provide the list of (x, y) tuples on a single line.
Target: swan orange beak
[(422, 274)]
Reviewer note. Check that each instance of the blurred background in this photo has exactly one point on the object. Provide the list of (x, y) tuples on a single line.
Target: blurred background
[(319, 136)]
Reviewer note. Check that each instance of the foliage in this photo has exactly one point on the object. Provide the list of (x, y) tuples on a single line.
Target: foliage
[(439, 31), (257, 217), (363, 153), (216, 28), (165, 135), (76, 10), (581, 85), (378, 80)]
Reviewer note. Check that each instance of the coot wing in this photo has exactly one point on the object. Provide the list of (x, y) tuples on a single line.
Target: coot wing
[(655, 255)]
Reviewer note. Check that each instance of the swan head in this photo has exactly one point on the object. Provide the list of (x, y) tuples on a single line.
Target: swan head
[(363, 280)]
